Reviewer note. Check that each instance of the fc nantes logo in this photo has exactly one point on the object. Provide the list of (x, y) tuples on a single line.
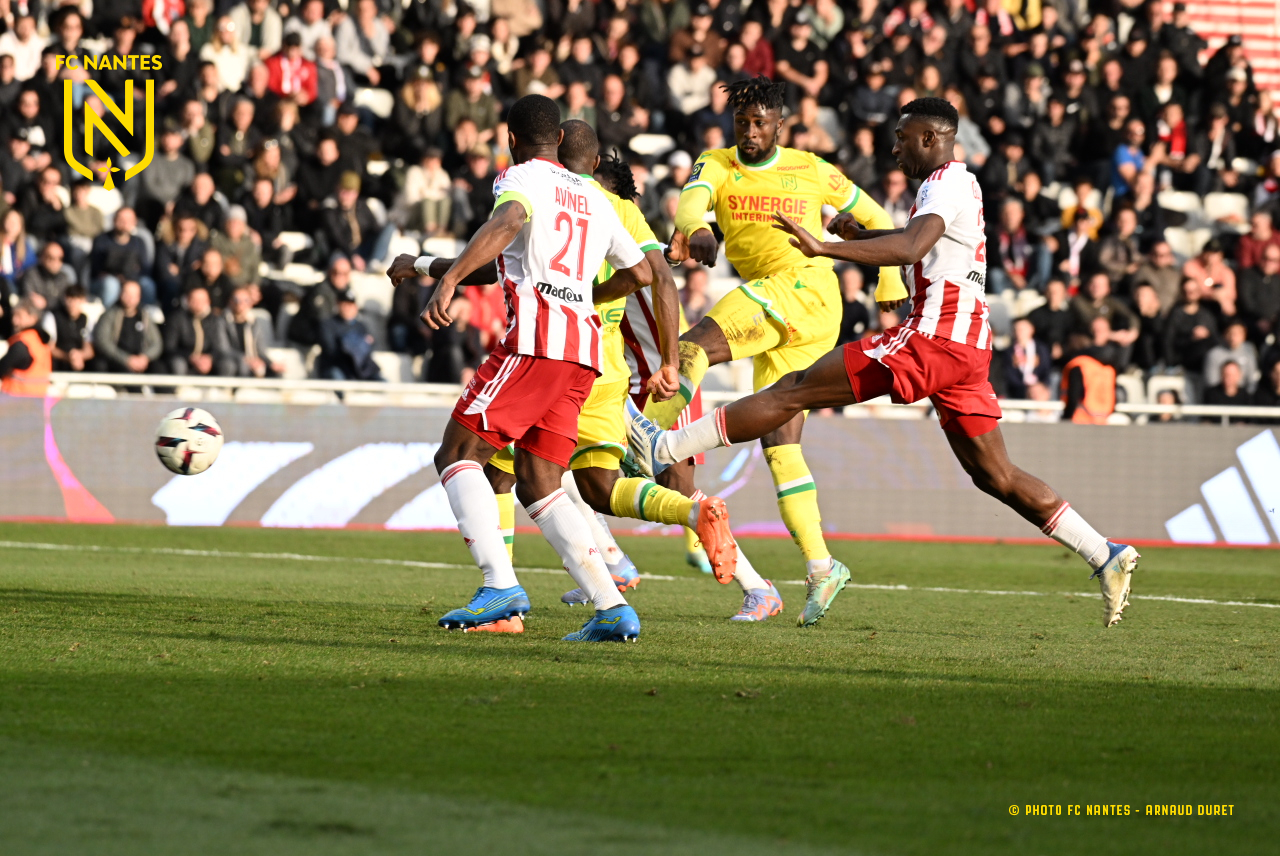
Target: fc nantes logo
[(789, 183), (95, 124)]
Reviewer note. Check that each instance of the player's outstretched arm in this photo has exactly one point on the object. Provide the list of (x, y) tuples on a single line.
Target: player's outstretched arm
[(485, 245), (898, 248), (406, 266)]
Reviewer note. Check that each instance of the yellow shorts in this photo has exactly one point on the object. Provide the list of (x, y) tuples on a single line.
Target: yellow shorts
[(785, 321), (602, 431)]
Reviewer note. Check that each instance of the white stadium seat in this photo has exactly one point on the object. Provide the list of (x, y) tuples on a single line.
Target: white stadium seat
[(1230, 208), (291, 360), (397, 368), (379, 102)]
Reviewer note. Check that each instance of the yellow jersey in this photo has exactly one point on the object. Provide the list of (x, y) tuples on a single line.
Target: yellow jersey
[(793, 182), (615, 366)]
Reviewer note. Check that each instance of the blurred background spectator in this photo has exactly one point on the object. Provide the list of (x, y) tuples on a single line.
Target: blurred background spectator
[(300, 145)]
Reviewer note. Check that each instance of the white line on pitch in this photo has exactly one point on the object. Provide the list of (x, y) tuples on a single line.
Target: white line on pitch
[(411, 563)]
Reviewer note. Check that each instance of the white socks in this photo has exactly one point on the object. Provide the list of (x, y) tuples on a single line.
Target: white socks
[(703, 435), (1070, 530), (561, 524), (595, 522), (817, 567), (476, 508), (746, 575)]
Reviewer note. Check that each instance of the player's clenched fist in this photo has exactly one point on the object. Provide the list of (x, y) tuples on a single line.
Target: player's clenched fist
[(402, 268), (664, 383), (845, 227), (703, 247), (436, 315)]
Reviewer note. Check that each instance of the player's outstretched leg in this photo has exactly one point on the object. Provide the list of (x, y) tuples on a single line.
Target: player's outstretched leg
[(500, 603), (986, 460), (621, 568), (824, 384)]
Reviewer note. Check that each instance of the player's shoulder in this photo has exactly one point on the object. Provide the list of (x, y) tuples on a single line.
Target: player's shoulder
[(951, 173), (720, 157)]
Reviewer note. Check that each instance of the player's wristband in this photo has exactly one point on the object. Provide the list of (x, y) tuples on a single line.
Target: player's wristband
[(670, 261), (423, 265)]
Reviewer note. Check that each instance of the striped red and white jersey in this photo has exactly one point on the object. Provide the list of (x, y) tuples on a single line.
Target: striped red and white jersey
[(948, 286), (640, 334), (548, 270)]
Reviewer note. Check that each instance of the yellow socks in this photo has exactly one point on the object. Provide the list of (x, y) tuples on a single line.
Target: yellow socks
[(693, 368), (507, 521), (797, 499), (646, 500)]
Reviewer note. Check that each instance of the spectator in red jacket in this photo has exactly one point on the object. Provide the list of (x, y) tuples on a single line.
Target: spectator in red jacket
[(290, 74), (1251, 247)]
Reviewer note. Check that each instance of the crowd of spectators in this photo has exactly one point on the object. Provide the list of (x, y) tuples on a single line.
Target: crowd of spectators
[(350, 121)]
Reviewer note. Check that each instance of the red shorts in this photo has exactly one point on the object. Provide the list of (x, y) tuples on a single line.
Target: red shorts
[(531, 401), (952, 375), (691, 413)]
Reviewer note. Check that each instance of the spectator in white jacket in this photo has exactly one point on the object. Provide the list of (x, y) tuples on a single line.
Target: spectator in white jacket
[(258, 27), (690, 82), (228, 55), (364, 41)]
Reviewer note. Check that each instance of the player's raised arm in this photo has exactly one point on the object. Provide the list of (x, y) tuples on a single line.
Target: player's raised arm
[(696, 199), (485, 246), (896, 248)]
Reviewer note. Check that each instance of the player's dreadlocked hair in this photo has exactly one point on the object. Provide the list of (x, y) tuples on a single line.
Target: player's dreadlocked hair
[(615, 174), (757, 91), (938, 109)]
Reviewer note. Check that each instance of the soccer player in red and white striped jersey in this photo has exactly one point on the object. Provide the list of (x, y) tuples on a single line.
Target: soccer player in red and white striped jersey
[(549, 232), (941, 352)]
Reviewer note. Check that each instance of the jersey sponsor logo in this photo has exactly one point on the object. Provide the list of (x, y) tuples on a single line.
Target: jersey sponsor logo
[(614, 316), (793, 166), (759, 209), (574, 202), (976, 276), (837, 181), (568, 295)]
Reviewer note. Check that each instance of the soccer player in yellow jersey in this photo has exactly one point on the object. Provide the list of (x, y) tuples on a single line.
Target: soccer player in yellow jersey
[(593, 480), (788, 313)]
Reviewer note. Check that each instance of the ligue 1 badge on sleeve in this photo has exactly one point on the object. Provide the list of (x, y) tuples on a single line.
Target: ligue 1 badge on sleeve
[(112, 113)]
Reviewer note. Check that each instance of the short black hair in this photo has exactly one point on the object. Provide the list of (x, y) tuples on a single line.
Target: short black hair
[(579, 147), (939, 110), (535, 120), (757, 91), (617, 176)]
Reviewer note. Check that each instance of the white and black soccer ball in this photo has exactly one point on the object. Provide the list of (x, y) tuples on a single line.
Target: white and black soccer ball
[(188, 441)]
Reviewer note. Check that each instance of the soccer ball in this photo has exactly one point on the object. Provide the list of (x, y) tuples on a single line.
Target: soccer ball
[(188, 441)]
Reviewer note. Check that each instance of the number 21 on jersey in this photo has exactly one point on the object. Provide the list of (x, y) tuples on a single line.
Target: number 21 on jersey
[(557, 261)]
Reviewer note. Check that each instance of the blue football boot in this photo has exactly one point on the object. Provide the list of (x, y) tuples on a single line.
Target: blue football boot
[(619, 624), (643, 436), (488, 606)]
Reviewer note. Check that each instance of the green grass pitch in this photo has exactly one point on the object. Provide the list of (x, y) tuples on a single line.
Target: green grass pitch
[(153, 701)]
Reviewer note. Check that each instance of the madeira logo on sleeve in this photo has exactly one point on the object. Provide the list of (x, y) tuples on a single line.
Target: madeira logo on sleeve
[(113, 115)]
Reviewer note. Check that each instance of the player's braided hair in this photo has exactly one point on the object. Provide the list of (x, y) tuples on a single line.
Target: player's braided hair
[(617, 176), (757, 91), (938, 109)]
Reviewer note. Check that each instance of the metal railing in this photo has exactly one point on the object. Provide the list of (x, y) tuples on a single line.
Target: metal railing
[(314, 391)]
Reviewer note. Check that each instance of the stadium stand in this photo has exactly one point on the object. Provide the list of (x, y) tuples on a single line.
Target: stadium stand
[(375, 128)]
